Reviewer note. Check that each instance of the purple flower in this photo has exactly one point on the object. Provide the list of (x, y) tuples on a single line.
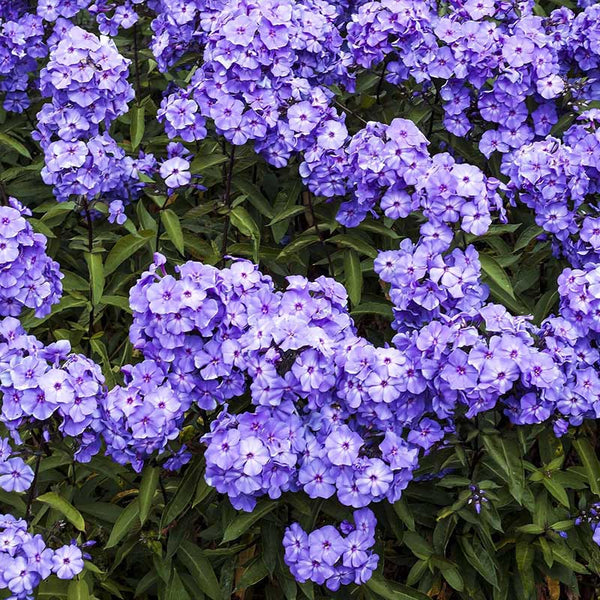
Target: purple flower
[(67, 562), (15, 475), (175, 172)]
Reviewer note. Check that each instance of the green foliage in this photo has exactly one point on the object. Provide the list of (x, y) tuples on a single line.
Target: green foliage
[(163, 535)]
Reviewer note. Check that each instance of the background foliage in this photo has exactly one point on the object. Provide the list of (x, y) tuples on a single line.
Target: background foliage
[(168, 535)]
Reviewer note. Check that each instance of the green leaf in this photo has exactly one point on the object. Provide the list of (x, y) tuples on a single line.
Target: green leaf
[(525, 553), (557, 490), (64, 507), (353, 276), (184, 494), (78, 590), (531, 528), (176, 590), (127, 519), (13, 500), (419, 112), (138, 125), (417, 572), (308, 589), (99, 347), (255, 196), (243, 222), (565, 557), (505, 453), (544, 305), (403, 511), (478, 557), (527, 237), (391, 590), (256, 572), (301, 242), (148, 487), (200, 569), (590, 463), (546, 551), (242, 522), (287, 213), (126, 247), (373, 308), (348, 240), (96, 271), (170, 220), (418, 545), (15, 145), (562, 525), (454, 578), (52, 589), (118, 301), (201, 163), (494, 272)]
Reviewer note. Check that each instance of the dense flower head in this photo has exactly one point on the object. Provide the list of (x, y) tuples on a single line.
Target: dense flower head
[(142, 417), (25, 560), (29, 278), (390, 166), (15, 474), (181, 27), (112, 16), (330, 556), (556, 178), (262, 78), (21, 45), (499, 69), (86, 80), (334, 414), (53, 10), (45, 384)]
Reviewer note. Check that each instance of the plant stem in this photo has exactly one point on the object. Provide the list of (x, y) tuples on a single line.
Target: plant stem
[(90, 233), (31, 495), (138, 82), (382, 79), (315, 223), (350, 112), (227, 201)]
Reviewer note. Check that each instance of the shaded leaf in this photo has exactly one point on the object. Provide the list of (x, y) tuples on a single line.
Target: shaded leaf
[(200, 569), (125, 248), (96, 272), (353, 276), (391, 590), (172, 226), (138, 125), (148, 487), (126, 521), (64, 507), (242, 522)]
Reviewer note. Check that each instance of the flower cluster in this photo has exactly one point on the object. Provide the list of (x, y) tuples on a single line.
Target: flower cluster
[(53, 10), (86, 79), (25, 560), (555, 179), (460, 54), (389, 165), (38, 382), (21, 45), (180, 28), (112, 16), (332, 557), (29, 278), (261, 78), (143, 416), (15, 474)]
